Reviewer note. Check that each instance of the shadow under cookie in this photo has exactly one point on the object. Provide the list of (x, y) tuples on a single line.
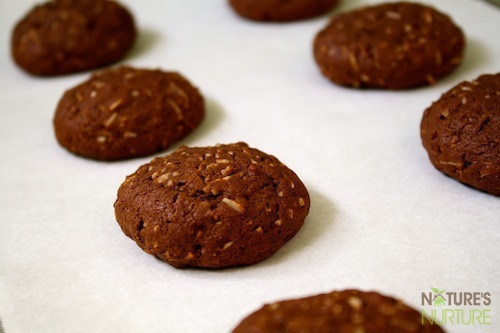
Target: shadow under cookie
[(146, 40)]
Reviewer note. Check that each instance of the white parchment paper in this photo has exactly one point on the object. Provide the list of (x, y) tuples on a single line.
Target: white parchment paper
[(382, 218)]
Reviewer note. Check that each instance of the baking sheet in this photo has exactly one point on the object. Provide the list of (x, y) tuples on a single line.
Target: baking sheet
[(382, 218)]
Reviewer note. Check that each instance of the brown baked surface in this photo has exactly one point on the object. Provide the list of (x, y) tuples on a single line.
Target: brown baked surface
[(125, 112), (348, 311), (67, 36), (281, 10), (461, 133), (214, 207), (389, 46)]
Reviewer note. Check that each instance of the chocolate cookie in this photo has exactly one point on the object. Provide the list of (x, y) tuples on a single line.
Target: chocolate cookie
[(67, 36), (350, 311), (125, 112), (215, 207), (461, 133), (390, 46), (279, 10)]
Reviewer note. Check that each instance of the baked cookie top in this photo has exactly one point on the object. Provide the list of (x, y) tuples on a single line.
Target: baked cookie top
[(461, 133), (281, 11), (125, 112), (339, 311), (215, 207), (391, 46), (67, 36)]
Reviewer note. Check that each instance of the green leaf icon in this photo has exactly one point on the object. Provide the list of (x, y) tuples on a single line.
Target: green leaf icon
[(439, 301), (438, 297)]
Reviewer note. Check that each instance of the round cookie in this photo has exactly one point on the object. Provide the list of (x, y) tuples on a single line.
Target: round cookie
[(389, 46), (281, 11), (461, 133), (125, 112), (68, 36), (212, 207), (339, 311)]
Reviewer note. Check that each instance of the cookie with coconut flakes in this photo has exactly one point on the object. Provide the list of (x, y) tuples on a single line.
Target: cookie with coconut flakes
[(461, 133), (212, 207), (350, 311), (281, 11), (125, 112), (68, 36), (397, 45)]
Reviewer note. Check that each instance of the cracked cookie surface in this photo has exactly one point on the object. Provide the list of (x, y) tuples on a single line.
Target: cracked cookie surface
[(461, 133), (220, 206), (68, 36), (125, 112), (339, 311), (389, 46)]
